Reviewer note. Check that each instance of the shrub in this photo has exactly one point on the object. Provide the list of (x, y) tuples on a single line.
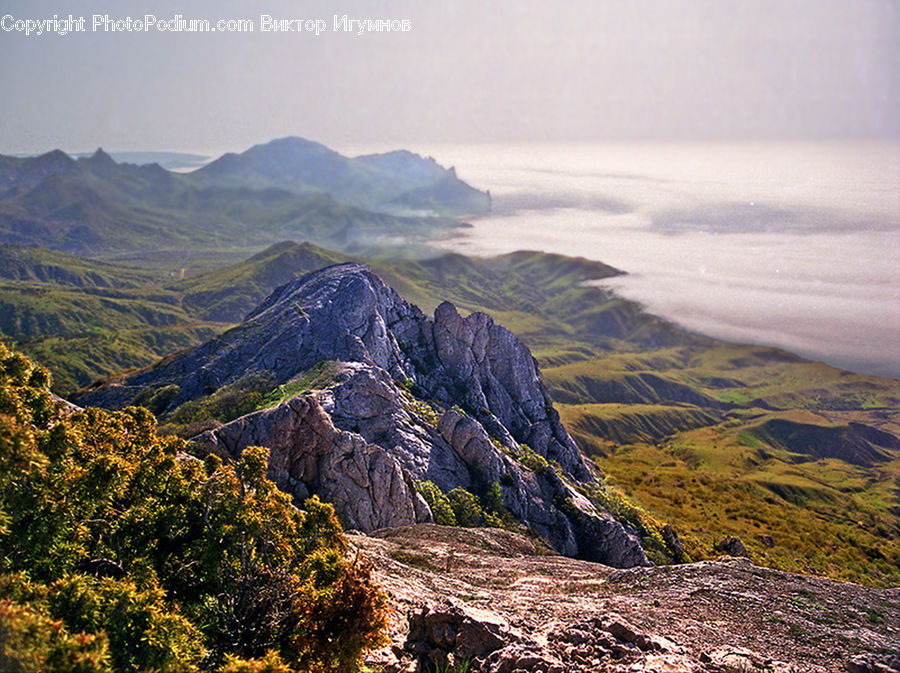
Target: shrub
[(139, 559), (225, 404), (32, 642), (466, 508), (440, 506), (529, 458)]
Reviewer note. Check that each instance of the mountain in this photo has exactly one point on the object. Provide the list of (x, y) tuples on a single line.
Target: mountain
[(228, 293), (456, 402), (95, 206), (720, 440), (57, 308), (396, 182), (169, 160)]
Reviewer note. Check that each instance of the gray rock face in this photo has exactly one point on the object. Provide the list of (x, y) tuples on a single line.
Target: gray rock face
[(364, 441), (489, 372), (338, 313), (310, 456), (347, 313)]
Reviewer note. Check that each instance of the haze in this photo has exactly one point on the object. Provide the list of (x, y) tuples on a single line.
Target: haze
[(786, 244), (468, 71)]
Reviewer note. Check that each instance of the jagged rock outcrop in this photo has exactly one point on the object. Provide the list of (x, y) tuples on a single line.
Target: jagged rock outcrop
[(309, 455), (347, 313), (479, 406), (451, 450)]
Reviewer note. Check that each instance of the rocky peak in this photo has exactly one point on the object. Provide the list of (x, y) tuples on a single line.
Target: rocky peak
[(100, 156), (489, 372), (100, 163), (455, 400)]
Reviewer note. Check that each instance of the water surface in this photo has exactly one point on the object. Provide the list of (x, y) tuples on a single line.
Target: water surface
[(790, 245)]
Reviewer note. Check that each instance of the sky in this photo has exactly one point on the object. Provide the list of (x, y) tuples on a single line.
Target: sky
[(467, 71)]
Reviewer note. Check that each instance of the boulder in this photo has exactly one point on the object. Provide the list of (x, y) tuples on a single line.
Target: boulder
[(732, 546)]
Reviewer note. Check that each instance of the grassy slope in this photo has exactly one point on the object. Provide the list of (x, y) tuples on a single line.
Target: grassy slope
[(97, 207), (671, 417)]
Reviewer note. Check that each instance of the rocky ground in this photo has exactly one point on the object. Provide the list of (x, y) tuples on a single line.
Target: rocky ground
[(484, 600)]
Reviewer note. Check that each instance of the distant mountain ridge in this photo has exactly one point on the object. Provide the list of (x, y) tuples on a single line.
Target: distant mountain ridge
[(394, 182), (169, 160), (290, 188)]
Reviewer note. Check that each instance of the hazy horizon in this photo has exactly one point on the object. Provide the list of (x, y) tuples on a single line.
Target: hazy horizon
[(464, 73), (788, 245), (693, 101)]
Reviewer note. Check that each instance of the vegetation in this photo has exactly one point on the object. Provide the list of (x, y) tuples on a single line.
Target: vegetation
[(823, 517), (120, 553), (529, 458), (459, 507), (245, 395), (657, 408), (610, 498), (315, 378), (438, 502)]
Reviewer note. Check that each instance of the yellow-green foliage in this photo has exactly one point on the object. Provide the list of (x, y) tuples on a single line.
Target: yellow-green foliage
[(466, 508), (825, 517), (524, 455), (119, 554), (459, 507), (531, 459), (245, 395), (423, 409), (440, 506), (270, 663), (315, 378), (619, 505)]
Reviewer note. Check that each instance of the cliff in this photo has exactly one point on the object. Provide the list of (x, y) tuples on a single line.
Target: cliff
[(458, 401)]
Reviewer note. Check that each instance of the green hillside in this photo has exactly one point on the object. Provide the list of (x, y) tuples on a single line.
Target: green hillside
[(97, 207), (798, 459)]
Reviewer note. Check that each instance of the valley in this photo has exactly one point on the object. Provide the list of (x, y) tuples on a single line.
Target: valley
[(715, 439), (511, 399)]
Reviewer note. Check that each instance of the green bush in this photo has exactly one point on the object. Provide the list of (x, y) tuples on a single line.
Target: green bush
[(237, 399), (118, 554), (440, 506), (466, 508), (459, 507), (529, 458)]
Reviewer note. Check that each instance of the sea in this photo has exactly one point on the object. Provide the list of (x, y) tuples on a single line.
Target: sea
[(793, 245)]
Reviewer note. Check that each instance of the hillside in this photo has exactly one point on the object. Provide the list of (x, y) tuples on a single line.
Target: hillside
[(95, 206), (398, 182), (681, 423)]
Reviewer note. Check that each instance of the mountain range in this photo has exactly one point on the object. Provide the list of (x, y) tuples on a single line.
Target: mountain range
[(288, 188), (474, 421)]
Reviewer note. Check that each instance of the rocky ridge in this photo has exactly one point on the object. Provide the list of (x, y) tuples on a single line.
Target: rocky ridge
[(455, 400), (488, 601)]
